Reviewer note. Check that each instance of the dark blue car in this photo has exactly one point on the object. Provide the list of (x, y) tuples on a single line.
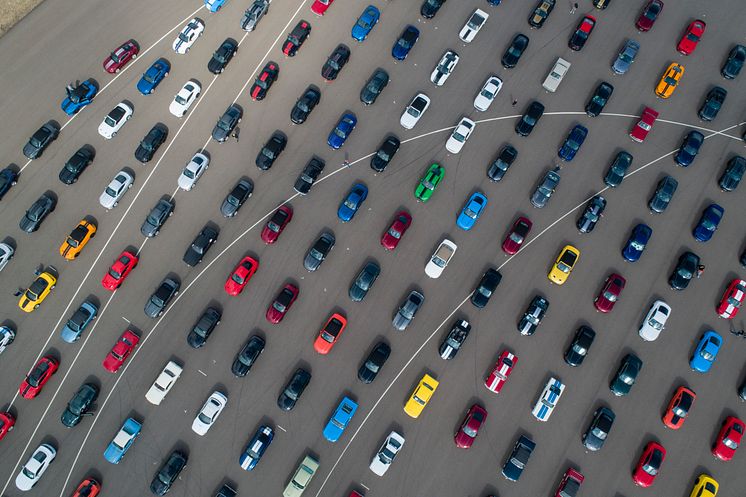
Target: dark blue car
[(352, 202), (341, 131), (153, 76), (636, 243), (365, 23), (572, 143), (256, 447), (689, 148), (78, 96), (405, 42), (8, 178), (708, 223)]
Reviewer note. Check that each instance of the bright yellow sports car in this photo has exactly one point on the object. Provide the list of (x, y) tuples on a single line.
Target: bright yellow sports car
[(670, 80), (77, 239), (421, 396), (562, 267), (37, 292), (705, 486)]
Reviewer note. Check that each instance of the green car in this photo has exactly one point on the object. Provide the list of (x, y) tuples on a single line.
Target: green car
[(429, 182)]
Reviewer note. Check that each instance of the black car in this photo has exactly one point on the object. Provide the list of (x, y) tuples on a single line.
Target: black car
[(599, 429), (199, 247), (247, 356), (581, 344), (742, 390), (157, 218), (335, 62), (599, 99), (271, 151), (487, 285), (514, 51), (374, 362), (168, 473), (40, 140), (294, 389), (663, 194), (516, 462), (227, 123), (80, 405), (296, 38), (236, 198), (151, 143), (309, 175), (504, 160), (364, 281), (455, 338), (304, 105), (742, 261), (375, 85), (535, 312), (617, 169), (546, 188), (222, 56), (8, 179), (593, 211), (684, 271), (385, 153), (264, 81), (226, 491), (318, 251), (689, 148), (733, 174), (201, 332), (430, 8), (39, 210), (158, 301), (626, 375), (76, 164), (712, 104), (530, 118), (734, 62), (407, 310)]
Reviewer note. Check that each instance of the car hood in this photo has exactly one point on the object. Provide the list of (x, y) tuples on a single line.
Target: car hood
[(400, 322), (311, 263), (219, 134), (194, 340)]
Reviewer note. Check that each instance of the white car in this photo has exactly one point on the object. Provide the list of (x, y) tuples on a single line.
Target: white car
[(444, 68), (114, 120), (440, 258), (491, 88), (163, 384), (184, 99), (6, 254), (209, 413), (188, 36), (655, 321), (386, 454), (414, 111), (7, 335), (459, 136), (192, 172), (554, 78), (116, 189), (473, 25), (35, 467), (548, 400)]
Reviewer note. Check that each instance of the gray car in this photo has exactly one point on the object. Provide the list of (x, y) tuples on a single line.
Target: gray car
[(364, 282), (407, 310), (663, 194), (40, 140), (227, 123), (237, 196), (160, 299), (626, 57), (254, 14), (157, 218), (39, 210), (318, 252), (546, 188)]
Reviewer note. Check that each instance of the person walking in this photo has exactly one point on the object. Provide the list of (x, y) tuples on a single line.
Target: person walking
[(235, 133), (700, 270)]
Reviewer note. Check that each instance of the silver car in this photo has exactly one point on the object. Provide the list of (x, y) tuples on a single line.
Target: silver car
[(626, 57), (254, 14), (386, 454), (116, 189)]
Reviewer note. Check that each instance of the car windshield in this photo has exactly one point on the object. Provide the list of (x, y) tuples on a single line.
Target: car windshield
[(339, 133), (610, 296), (438, 261), (469, 431), (570, 489), (28, 474), (333, 64), (644, 126), (403, 43), (515, 237), (470, 213), (150, 76), (220, 56), (204, 418), (458, 136), (109, 121), (183, 37), (579, 349), (627, 379), (599, 433), (238, 278), (115, 57)]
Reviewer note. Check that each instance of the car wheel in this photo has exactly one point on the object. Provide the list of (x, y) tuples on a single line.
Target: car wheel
[(115, 204), (165, 75), (113, 134), (52, 287), (170, 213), (222, 69), (116, 70), (134, 55)]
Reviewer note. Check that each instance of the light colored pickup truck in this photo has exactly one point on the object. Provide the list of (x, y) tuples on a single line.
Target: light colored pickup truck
[(554, 78)]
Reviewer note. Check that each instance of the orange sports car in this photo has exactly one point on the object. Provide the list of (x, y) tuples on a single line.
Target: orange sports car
[(77, 239), (679, 407), (330, 333)]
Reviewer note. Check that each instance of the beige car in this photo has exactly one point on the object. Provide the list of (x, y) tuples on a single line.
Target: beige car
[(302, 477), (554, 78)]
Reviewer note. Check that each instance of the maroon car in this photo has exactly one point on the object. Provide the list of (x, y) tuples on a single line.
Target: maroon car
[(649, 14), (469, 430), (609, 294), (570, 484), (644, 125), (391, 238), (119, 57), (276, 224), (282, 303), (517, 235)]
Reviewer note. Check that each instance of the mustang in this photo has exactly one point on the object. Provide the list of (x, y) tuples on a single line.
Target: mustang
[(77, 239), (78, 96), (241, 276), (39, 290), (471, 211), (501, 372), (118, 272), (38, 377), (564, 265), (121, 351), (352, 202), (429, 182), (151, 78), (256, 448), (732, 299), (121, 56), (517, 235), (296, 38), (340, 419), (365, 23), (264, 81), (338, 136), (390, 239)]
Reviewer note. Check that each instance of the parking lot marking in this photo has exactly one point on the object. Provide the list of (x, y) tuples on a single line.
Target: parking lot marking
[(202, 372), (365, 487), (128, 321), (283, 429)]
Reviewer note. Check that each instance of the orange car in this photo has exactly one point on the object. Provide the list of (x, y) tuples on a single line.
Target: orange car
[(77, 239), (670, 80), (330, 333), (679, 407), (88, 488)]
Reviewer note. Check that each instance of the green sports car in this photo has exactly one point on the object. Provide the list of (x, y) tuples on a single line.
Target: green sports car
[(429, 182)]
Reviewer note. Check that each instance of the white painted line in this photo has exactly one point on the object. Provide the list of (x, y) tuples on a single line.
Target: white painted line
[(202, 372), (128, 321), (283, 429), (364, 486)]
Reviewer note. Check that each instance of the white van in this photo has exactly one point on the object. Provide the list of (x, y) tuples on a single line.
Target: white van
[(554, 78)]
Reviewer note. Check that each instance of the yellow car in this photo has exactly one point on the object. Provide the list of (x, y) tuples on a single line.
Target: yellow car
[(669, 80), (705, 486), (421, 396), (37, 292), (76, 240), (562, 267)]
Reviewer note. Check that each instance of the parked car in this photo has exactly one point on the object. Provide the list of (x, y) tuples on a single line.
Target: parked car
[(89, 487), (499, 167), (713, 103), (201, 332), (39, 375), (386, 454), (122, 441), (254, 14), (517, 235), (405, 42), (533, 315), (670, 80), (545, 189), (515, 50), (188, 35), (115, 120), (655, 321), (563, 266), (580, 345), (184, 99), (222, 56), (236, 198), (592, 214), (208, 415), (663, 194), (678, 408), (455, 338), (162, 296), (79, 321), (460, 135), (488, 93), (733, 64), (486, 287), (609, 294), (530, 118), (429, 182), (407, 310), (693, 34), (541, 13), (227, 123), (335, 62), (599, 429), (644, 125), (572, 143), (444, 68), (571, 481), (374, 362), (296, 38), (706, 352), (364, 281), (276, 224), (77, 239), (626, 57), (473, 25), (728, 439), (304, 105), (467, 433), (649, 14), (241, 275), (649, 464), (733, 174), (120, 56), (7, 335), (282, 303), (684, 271), (330, 333), (247, 356), (421, 396), (430, 8), (365, 23), (582, 33), (294, 389), (303, 475), (599, 99), (689, 148), (374, 86), (548, 399), (41, 139), (414, 111), (80, 405), (340, 419), (319, 251), (733, 297), (263, 82), (516, 462), (708, 223), (556, 75), (78, 96), (150, 144), (163, 383), (8, 179), (39, 210), (121, 350), (391, 238), (256, 448), (169, 471), (440, 258), (38, 291), (200, 245), (157, 217), (472, 211), (352, 202), (636, 242), (152, 77), (119, 270), (385, 154), (501, 371), (319, 7), (35, 467), (626, 375)]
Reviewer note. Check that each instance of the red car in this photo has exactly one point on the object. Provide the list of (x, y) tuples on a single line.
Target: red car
[(38, 377), (88, 488), (121, 351), (644, 125), (276, 224), (517, 235), (469, 430), (118, 272), (649, 14), (570, 484), (282, 303), (7, 421), (679, 407), (501, 372), (330, 333), (609, 294), (241, 276), (732, 299), (693, 34), (320, 6), (390, 239), (119, 57), (728, 439), (649, 464), (264, 81)]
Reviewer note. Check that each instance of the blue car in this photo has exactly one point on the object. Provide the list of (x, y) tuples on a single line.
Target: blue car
[(79, 321), (352, 202), (340, 419), (122, 441), (405, 42), (365, 23), (8, 178), (493, 2), (708, 223), (79, 96), (706, 352), (214, 5), (256, 447), (573, 142), (153, 76), (636, 243), (341, 131), (471, 211)]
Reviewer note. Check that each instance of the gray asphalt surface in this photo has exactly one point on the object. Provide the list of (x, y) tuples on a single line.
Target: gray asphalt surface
[(59, 42)]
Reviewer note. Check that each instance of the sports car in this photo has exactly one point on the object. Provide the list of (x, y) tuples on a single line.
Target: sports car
[(467, 433), (341, 131), (79, 321), (352, 202), (414, 111), (37, 213), (340, 419), (471, 211), (732, 299), (151, 78), (335, 62), (517, 235), (77, 239), (264, 81), (708, 223), (282, 303), (214, 5), (122, 441), (563, 266), (7, 421), (40, 140), (35, 467), (670, 80), (78, 96), (184, 99), (276, 224), (32, 385), (119, 270), (728, 439), (241, 275), (405, 42), (691, 38), (188, 36), (76, 164), (649, 464), (39, 290), (649, 14), (582, 33), (330, 333), (705, 486), (115, 120), (222, 56), (121, 56), (548, 400), (319, 6), (460, 135), (609, 294), (296, 38), (644, 125), (256, 448), (365, 23), (655, 321), (429, 182), (391, 238), (501, 371), (571, 481), (678, 408), (706, 352), (254, 14), (121, 351), (636, 242)]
